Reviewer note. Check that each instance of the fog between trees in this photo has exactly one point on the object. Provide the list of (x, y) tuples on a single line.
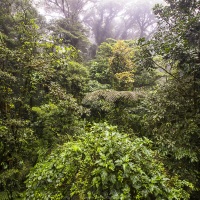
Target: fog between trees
[(99, 100)]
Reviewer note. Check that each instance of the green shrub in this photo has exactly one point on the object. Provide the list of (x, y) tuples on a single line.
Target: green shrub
[(103, 164)]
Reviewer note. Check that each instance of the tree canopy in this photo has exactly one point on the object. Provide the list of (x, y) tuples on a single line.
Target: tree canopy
[(100, 102)]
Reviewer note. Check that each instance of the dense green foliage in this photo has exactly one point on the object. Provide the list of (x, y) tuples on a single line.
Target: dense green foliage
[(121, 123), (117, 66), (103, 164), (173, 110)]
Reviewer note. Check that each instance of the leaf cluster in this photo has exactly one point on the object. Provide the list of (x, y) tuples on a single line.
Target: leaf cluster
[(103, 164)]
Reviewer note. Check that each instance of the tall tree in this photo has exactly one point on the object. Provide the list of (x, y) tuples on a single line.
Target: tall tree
[(138, 20), (69, 27), (173, 111), (33, 71), (101, 20), (127, 20), (117, 65), (13, 12)]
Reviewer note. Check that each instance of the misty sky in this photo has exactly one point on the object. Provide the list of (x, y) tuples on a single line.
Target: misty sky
[(40, 4)]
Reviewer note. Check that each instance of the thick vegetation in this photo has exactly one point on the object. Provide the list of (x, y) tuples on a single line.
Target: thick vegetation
[(103, 164), (118, 119)]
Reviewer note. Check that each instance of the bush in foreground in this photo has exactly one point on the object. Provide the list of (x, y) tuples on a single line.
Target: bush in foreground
[(103, 164)]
